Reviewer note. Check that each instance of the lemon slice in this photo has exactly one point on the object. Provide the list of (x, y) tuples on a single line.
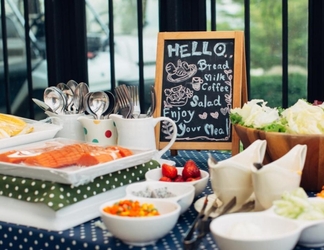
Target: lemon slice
[(11, 125)]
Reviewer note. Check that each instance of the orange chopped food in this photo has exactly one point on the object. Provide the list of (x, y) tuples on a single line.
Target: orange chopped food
[(130, 208), (321, 194), (80, 154)]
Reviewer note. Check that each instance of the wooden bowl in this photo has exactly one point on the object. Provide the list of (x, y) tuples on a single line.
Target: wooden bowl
[(278, 144)]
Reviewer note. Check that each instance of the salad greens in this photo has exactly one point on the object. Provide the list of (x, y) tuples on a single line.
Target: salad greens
[(301, 118), (296, 205)]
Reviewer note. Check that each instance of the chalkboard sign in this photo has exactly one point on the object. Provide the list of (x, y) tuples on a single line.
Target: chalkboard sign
[(199, 78)]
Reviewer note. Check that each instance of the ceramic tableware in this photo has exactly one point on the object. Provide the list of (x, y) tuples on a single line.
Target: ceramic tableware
[(139, 133), (142, 231), (102, 132), (265, 230), (199, 185), (182, 193), (72, 128)]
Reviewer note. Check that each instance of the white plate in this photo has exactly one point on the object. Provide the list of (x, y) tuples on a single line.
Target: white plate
[(42, 131), (74, 175)]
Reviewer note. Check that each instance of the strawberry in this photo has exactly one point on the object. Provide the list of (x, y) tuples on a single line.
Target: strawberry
[(164, 178), (190, 169), (179, 178), (169, 171), (193, 179)]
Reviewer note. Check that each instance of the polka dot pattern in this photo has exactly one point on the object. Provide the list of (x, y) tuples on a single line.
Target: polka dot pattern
[(90, 236), (57, 196), (103, 132)]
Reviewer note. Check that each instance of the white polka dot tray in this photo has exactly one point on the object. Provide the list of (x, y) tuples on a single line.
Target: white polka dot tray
[(75, 175), (40, 215), (56, 206)]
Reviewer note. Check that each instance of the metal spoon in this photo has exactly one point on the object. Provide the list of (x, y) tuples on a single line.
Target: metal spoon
[(72, 84), (151, 109), (98, 103), (55, 99), (112, 104), (86, 104), (69, 93), (80, 91), (42, 105)]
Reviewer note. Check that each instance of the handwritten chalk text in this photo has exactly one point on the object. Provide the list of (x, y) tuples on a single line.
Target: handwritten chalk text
[(185, 50)]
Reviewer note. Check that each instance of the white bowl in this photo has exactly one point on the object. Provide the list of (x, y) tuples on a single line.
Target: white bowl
[(182, 193), (254, 231), (200, 185), (141, 231), (312, 235)]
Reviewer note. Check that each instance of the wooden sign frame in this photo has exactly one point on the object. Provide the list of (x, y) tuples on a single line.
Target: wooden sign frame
[(238, 83)]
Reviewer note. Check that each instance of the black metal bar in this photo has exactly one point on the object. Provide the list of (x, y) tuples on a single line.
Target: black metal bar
[(182, 15), (28, 60), (66, 41), (315, 90), (284, 53), (213, 14), (140, 51), (247, 42), (111, 43), (5, 56)]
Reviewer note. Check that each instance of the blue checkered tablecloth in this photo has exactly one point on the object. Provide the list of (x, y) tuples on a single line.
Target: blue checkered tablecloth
[(90, 236)]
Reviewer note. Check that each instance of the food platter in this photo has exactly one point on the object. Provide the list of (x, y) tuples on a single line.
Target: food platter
[(74, 175), (42, 131)]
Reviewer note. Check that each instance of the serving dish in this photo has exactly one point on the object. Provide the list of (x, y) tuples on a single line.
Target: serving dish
[(43, 130), (144, 230), (182, 193), (266, 230), (200, 185), (74, 175)]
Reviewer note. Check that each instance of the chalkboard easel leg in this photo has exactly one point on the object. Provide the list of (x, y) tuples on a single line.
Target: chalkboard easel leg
[(174, 152)]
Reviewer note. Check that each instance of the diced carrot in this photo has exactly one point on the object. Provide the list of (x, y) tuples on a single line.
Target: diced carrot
[(321, 193), (132, 208)]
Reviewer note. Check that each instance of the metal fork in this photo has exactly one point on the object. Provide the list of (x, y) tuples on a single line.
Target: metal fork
[(133, 90), (124, 101), (192, 241)]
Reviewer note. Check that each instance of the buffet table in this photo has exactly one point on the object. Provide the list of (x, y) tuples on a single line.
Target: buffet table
[(90, 235)]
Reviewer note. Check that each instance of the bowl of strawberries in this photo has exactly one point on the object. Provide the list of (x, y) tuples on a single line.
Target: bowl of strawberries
[(190, 173)]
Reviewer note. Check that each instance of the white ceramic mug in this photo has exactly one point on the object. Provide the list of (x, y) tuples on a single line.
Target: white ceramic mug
[(102, 132), (72, 128), (140, 133)]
